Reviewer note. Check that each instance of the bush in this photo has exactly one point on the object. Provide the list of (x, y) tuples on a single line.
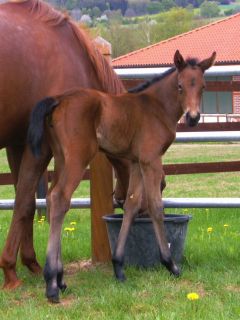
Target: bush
[(209, 9)]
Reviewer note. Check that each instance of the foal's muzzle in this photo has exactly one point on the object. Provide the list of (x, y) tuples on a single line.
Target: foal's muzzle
[(192, 120)]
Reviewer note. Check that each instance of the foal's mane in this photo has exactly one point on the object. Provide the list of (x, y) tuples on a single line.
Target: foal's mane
[(104, 72), (148, 83), (192, 62)]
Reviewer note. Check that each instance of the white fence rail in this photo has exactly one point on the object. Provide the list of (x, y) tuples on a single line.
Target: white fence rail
[(219, 136)]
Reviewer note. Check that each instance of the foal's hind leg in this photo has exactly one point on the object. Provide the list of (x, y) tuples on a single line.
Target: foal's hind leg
[(30, 172), (131, 207), (70, 174), (152, 174)]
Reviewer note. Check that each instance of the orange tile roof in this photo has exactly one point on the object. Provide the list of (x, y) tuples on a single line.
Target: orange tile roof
[(222, 36)]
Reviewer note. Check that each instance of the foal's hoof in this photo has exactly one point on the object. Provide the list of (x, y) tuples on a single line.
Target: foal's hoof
[(53, 297), (120, 203), (118, 271), (175, 271), (62, 287), (53, 300)]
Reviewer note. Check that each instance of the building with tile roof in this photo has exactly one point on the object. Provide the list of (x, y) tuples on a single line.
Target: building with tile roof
[(223, 36)]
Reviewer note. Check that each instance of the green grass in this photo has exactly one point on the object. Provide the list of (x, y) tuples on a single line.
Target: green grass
[(210, 268)]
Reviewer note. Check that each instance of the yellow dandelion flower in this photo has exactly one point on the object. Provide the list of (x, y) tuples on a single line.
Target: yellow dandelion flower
[(73, 223), (67, 229), (40, 221), (226, 225), (192, 296), (209, 229)]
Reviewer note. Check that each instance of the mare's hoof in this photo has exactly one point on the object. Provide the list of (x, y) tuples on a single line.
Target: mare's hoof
[(12, 285)]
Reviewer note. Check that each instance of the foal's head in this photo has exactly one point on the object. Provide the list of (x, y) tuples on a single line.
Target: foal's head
[(191, 84)]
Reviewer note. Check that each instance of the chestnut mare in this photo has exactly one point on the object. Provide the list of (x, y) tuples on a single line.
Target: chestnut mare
[(42, 53), (139, 125)]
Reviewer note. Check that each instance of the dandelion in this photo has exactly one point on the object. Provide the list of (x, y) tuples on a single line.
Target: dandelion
[(209, 229), (226, 225), (41, 220), (69, 229), (192, 296), (73, 223)]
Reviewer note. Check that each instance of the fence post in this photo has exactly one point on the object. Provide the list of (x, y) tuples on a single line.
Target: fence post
[(101, 188)]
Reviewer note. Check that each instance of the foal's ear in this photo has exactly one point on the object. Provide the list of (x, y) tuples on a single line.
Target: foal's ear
[(207, 63), (179, 61)]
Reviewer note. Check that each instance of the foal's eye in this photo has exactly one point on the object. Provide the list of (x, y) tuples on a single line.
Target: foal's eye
[(180, 89)]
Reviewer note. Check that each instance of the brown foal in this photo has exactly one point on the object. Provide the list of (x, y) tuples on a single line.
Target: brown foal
[(139, 126)]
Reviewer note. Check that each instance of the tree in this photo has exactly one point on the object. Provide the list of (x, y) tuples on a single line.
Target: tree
[(154, 7), (168, 4), (122, 38), (119, 4), (139, 6), (209, 9)]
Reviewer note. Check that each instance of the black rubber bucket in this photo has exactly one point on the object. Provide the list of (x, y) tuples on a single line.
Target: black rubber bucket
[(141, 248)]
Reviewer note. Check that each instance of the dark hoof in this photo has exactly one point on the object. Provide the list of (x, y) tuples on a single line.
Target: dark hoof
[(171, 267), (53, 300), (120, 203), (63, 287), (121, 278), (118, 270), (52, 295), (175, 271)]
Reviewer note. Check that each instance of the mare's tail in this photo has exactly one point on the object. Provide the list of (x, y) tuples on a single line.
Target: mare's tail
[(36, 125)]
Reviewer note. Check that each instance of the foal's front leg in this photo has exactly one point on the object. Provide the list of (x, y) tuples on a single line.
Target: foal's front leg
[(152, 175), (131, 208)]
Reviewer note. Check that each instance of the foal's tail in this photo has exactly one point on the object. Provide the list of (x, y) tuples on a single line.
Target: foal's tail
[(36, 125)]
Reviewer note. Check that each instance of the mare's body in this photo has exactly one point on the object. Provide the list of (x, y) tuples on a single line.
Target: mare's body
[(139, 126), (42, 53)]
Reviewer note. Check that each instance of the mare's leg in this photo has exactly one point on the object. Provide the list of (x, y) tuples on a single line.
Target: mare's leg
[(131, 207), (70, 173), (28, 256), (152, 175), (14, 156), (20, 231)]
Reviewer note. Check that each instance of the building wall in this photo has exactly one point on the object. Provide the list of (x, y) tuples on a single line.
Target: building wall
[(214, 102)]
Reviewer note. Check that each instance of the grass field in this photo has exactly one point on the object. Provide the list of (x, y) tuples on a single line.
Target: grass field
[(210, 268)]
